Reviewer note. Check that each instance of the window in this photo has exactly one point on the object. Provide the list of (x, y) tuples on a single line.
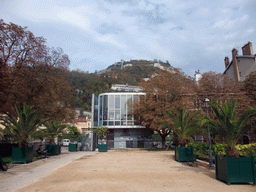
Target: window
[(105, 107), (123, 108), (111, 103), (116, 109), (101, 108), (199, 138), (117, 102)]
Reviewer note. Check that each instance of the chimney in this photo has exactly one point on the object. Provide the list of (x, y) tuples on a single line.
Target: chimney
[(234, 53), (235, 65), (226, 61), (247, 49)]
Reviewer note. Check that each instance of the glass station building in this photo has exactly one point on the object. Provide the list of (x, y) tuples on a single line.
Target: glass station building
[(114, 110)]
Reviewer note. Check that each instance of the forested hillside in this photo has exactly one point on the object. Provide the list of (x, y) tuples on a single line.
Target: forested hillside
[(85, 84)]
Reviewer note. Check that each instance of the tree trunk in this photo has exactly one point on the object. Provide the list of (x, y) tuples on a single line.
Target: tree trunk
[(163, 141), (232, 152), (23, 144), (182, 143)]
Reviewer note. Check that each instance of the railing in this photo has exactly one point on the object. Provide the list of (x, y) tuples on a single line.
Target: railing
[(146, 143)]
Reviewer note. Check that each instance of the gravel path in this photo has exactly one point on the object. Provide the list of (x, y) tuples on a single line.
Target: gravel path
[(131, 170), (24, 174)]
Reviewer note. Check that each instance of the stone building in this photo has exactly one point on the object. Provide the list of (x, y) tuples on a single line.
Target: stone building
[(241, 65), (83, 124)]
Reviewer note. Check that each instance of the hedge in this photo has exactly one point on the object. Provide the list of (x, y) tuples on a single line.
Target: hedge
[(220, 149)]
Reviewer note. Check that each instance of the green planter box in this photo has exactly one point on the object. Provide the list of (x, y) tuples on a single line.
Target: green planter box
[(22, 155), (72, 147), (102, 147), (184, 154), (235, 169), (53, 149)]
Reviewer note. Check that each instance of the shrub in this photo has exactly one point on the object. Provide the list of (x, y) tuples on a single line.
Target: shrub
[(203, 148), (247, 150), (221, 149)]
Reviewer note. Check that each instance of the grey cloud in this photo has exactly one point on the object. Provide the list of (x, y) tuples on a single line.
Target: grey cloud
[(154, 18), (106, 28)]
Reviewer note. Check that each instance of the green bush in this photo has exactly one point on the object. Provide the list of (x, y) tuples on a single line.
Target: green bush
[(7, 159), (203, 148), (247, 150), (156, 137), (221, 149)]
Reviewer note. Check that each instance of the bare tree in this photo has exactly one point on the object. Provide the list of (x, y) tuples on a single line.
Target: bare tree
[(250, 86)]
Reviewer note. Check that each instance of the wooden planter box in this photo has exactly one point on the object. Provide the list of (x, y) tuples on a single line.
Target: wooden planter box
[(184, 154), (235, 169), (22, 155), (102, 147), (53, 149), (72, 147)]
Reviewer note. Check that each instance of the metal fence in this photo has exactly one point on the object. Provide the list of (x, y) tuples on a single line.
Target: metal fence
[(146, 143)]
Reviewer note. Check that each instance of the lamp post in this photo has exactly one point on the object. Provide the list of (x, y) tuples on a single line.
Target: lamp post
[(206, 101)]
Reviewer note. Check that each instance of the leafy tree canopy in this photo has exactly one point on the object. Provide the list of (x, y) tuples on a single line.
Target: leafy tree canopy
[(164, 92), (101, 131), (37, 75), (220, 87), (72, 133)]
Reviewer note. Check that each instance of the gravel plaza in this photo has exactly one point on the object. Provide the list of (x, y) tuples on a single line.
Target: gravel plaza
[(115, 170)]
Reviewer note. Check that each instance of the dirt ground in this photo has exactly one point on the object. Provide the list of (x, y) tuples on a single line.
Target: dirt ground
[(132, 170)]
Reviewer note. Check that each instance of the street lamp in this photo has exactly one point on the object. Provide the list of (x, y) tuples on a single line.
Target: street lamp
[(206, 101)]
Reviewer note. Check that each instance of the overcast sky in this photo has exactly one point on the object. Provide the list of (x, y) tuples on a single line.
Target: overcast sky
[(191, 35)]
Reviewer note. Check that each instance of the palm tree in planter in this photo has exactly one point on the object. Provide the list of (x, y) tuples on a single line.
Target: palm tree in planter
[(102, 131), (232, 168), (185, 125), (21, 127), (52, 129)]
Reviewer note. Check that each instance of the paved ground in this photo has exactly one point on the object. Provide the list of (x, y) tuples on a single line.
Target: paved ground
[(128, 170), (21, 175)]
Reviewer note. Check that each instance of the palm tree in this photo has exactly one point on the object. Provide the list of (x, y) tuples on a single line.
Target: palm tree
[(53, 129), (230, 127), (185, 124), (1, 132), (22, 126)]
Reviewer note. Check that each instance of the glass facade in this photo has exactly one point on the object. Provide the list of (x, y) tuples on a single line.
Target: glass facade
[(115, 110)]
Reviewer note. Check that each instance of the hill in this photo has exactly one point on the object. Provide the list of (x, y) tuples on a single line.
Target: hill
[(124, 72)]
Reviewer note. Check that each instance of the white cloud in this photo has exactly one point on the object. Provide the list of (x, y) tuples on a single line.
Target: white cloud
[(182, 32), (224, 24), (74, 18), (109, 39)]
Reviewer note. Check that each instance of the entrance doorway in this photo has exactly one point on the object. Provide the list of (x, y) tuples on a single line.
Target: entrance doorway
[(246, 139)]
